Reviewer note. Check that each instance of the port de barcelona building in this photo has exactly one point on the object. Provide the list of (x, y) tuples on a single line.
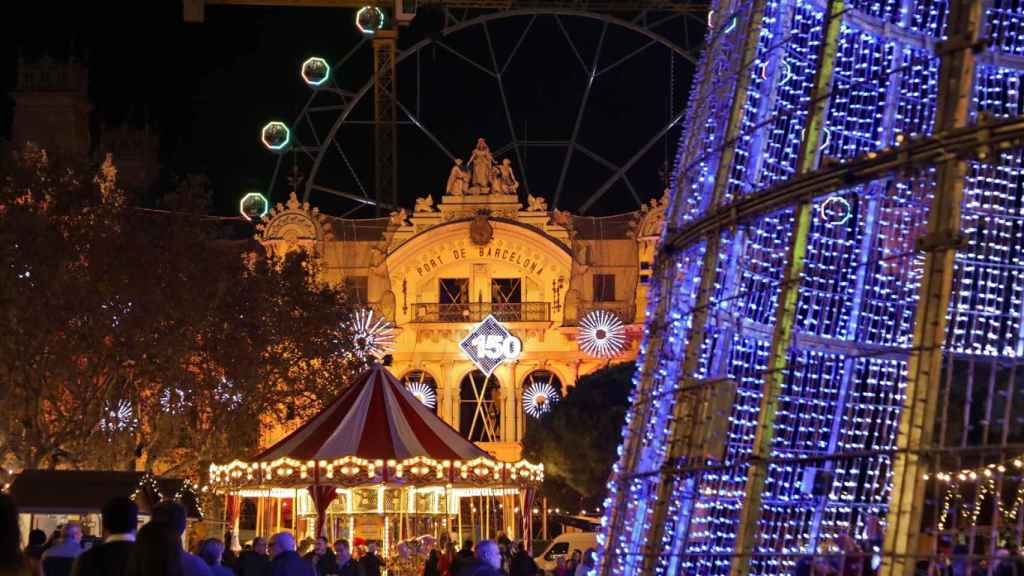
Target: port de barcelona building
[(490, 307)]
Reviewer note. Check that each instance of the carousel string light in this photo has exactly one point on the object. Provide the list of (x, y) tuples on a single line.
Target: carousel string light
[(601, 334), (372, 334), (538, 398)]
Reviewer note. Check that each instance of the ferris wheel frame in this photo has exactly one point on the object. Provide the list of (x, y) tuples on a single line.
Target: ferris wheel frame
[(351, 99)]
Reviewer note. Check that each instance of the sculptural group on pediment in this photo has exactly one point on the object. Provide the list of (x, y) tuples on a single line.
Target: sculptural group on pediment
[(482, 175)]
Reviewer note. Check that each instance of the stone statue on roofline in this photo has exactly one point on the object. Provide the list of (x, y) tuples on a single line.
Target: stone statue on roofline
[(425, 204), (458, 179), (481, 164), (509, 184), (536, 203)]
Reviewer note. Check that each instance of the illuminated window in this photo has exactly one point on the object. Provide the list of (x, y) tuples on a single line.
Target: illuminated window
[(506, 297), (453, 299), (480, 407), (604, 288), (357, 288)]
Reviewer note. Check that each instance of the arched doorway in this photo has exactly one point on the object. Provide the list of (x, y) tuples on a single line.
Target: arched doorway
[(542, 389), (423, 386), (480, 407)]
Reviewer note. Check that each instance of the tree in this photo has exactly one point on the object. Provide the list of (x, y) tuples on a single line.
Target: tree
[(576, 440), (143, 338)]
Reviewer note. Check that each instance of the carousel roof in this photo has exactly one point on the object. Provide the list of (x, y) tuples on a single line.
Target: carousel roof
[(376, 433), (376, 419)]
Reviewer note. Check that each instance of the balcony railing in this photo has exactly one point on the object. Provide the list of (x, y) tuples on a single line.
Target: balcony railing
[(625, 310), (477, 311)]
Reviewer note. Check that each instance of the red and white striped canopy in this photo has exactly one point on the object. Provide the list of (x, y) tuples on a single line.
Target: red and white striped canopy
[(376, 419)]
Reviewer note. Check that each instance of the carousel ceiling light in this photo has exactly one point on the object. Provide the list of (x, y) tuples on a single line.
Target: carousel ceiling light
[(538, 398), (601, 334), (422, 392), (372, 334)]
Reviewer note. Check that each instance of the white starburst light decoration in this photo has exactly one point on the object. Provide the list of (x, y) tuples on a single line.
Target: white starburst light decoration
[(601, 334), (538, 398), (372, 334), (120, 416), (422, 392)]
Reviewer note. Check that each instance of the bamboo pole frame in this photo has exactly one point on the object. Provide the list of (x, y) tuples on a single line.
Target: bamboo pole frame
[(924, 368)]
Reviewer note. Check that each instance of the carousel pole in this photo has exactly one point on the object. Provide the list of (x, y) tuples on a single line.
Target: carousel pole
[(544, 518), (259, 515), (235, 523), (277, 514)]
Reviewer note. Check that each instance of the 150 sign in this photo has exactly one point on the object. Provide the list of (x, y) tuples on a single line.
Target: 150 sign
[(490, 344), (494, 347)]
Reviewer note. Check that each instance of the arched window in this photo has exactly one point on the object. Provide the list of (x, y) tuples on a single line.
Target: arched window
[(542, 389), (480, 407), (423, 387)]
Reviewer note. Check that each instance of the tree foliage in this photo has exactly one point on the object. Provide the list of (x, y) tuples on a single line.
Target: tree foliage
[(141, 338), (576, 440)]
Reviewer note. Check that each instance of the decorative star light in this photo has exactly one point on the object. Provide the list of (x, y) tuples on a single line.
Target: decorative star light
[(422, 392), (173, 401), (121, 416), (538, 398), (372, 334), (225, 393), (601, 334)]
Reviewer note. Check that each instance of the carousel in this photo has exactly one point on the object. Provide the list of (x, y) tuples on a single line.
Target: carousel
[(377, 465)]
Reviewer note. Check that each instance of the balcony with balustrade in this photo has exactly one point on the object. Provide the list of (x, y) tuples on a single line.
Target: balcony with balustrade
[(477, 311)]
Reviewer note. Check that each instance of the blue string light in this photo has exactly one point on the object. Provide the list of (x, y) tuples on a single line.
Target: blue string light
[(858, 291)]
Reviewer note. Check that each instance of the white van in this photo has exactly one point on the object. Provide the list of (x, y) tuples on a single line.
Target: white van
[(563, 547)]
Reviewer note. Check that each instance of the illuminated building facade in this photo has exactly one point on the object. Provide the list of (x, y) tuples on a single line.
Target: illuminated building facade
[(783, 324), (572, 289)]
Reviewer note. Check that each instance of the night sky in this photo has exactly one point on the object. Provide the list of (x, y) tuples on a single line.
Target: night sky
[(208, 88)]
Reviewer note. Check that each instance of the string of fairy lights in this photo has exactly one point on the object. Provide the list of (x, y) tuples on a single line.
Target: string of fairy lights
[(859, 287)]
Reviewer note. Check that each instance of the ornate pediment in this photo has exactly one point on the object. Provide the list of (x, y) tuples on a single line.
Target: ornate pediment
[(651, 218), (294, 223)]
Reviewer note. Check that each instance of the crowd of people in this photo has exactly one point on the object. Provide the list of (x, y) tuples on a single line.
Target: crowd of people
[(156, 549), (153, 550)]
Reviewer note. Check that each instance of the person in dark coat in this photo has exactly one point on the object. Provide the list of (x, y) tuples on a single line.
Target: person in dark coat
[(486, 561), (287, 561), (432, 566), (157, 552), (522, 563), (322, 557), (174, 516), (230, 558), (345, 564), (370, 563), (252, 562), (120, 518), (34, 550), (463, 557)]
